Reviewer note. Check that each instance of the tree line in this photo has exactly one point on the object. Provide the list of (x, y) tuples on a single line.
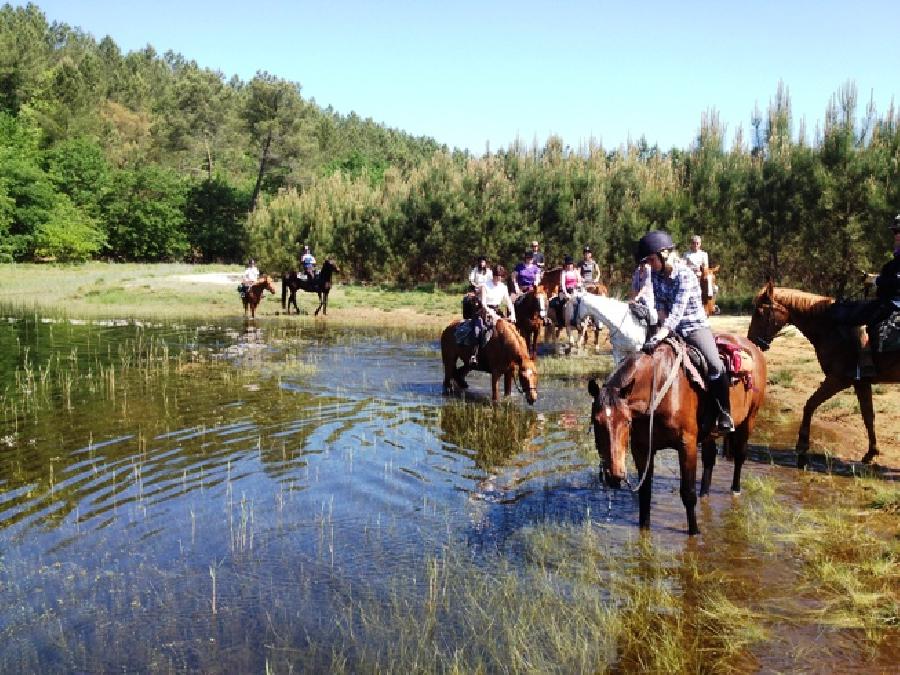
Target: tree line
[(142, 156)]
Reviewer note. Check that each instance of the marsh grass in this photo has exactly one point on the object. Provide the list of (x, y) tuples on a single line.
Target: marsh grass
[(848, 565), (573, 606), (580, 366)]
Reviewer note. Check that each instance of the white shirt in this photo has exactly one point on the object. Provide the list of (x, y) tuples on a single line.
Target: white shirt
[(696, 259), (478, 277), (492, 294), (251, 274)]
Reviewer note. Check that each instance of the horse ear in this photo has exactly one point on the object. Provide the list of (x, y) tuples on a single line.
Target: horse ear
[(593, 388)]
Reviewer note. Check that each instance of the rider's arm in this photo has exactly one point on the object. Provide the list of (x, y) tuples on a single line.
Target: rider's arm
[(686, 285)]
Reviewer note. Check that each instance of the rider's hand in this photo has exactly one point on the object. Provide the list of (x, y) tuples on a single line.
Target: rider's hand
[(658, 337)]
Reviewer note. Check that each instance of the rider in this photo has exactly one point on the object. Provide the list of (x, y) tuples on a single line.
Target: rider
[(249, 277), (678, 302), (590, 270), (697, 260), (308, 261), (569, 283), (480, 274), (494, 293), (887, 301), (526, 274), (538, 256)]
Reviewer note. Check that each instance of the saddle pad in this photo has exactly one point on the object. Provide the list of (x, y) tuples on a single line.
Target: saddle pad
[(889, 333)]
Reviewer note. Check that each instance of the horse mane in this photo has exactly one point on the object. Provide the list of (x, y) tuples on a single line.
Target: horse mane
[(623, 375), (809, 304), (510, 337)]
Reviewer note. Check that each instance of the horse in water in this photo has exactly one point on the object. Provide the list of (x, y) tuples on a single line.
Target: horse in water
[(836, 351), (504, 353), (650, 401), (531, 314), (550, 284), (253, 295), (708, 289), (319, 284)]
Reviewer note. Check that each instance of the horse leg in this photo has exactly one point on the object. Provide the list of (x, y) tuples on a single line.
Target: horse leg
[(830, 386), (709, 452), (646, 490), (864, 396), (319, 308), (507, 382), (737, 444), (324, 303), (495, 386), (687, 458), (292, 300)]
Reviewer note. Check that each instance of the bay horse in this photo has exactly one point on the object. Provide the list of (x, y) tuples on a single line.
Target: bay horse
[(503, 354), (531, 314), (650, 402), (774, 308), (253, 295), (320, 284), (550, 284), (707, 288)]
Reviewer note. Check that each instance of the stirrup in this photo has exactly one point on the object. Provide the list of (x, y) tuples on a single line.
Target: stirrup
[(725, 422)]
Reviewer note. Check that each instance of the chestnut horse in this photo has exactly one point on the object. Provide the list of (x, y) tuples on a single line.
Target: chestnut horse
[(253, 295), (320, 284), (650, 401), (531, 314), (502, 355), (836, 352), (707, 288)]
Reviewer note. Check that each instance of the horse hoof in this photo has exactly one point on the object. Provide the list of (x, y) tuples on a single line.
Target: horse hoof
[(735, 493), (802, 461), (869, 456)]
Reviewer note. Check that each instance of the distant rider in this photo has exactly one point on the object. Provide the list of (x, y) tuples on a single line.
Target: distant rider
[(480, 274), (526, 274), (249, 277), (308, 261), (537, 256), (589, 269)]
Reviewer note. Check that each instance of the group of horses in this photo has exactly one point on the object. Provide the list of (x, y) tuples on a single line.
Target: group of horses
[(651, 401), (291, 282)]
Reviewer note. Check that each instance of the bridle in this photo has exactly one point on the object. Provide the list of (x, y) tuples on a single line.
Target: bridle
[(769, 308)]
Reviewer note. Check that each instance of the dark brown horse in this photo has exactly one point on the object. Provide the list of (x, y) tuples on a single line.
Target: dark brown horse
[(550, 283), (320, 284), (503, 354), (707, 288), (836, 351), (651, 402), (252, 296), (531, 315)]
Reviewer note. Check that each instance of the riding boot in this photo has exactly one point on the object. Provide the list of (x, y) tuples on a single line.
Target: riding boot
[(721, 392)]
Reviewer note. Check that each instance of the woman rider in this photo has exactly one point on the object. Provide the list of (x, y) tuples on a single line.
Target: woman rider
[(494, 293), (678, 302), (590, 270), (526, 274), (569, 283)]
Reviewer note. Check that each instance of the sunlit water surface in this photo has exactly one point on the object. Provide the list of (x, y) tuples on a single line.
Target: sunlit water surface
[(221, 497)]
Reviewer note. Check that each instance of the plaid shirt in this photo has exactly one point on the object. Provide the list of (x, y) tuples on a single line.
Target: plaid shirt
[(678, 294)]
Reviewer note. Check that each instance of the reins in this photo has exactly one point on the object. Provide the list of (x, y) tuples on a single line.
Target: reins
[(656, 398)]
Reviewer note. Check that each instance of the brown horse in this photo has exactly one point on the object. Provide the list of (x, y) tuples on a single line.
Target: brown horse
[(531, 315), (550, 283), (836, 352), (707, 288), (320, 284), (650, 401), (252, 296), (502, 355)]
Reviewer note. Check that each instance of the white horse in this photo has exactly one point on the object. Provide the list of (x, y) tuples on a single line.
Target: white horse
[(626, 334)]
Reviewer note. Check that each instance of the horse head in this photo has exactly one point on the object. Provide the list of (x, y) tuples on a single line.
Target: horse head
[(611, 420), (266, 282), (528, 380), (769, 317)]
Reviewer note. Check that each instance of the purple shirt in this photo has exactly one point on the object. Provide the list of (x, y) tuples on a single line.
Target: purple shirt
[(526, 274)]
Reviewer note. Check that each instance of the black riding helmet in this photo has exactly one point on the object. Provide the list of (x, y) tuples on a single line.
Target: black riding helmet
[(653, 242)]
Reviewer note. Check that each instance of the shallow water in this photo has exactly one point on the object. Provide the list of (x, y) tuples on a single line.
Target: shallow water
[(221, 497)]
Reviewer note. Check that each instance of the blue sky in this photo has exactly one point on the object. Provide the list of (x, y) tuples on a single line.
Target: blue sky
[(468, 72)]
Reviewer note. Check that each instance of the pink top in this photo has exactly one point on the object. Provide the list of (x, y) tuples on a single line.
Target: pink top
[(570, 279)]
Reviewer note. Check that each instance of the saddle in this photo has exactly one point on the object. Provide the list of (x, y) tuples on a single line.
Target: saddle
[(738, 362), (469, 334)]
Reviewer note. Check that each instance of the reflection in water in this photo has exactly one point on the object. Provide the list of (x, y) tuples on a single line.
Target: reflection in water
[(190, 496)]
